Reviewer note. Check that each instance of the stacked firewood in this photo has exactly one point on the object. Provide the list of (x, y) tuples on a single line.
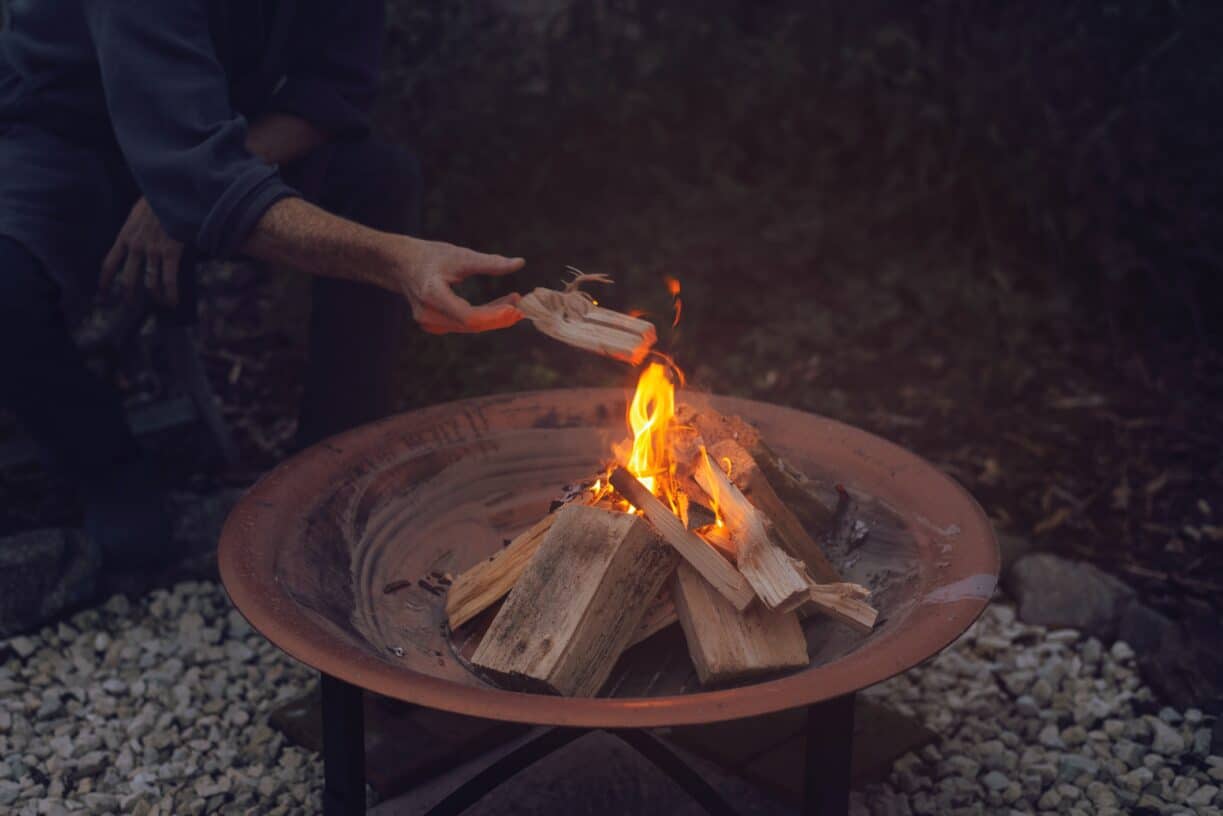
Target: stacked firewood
[(727, 555)]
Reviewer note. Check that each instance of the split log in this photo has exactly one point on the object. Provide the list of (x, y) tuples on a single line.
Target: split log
[(727, 644), (577, 321), (748, 477), (841, 601), (845, 602), (489, 581), (578, 604), (719, 572), (779, 580), (794, 488), (658, 616)]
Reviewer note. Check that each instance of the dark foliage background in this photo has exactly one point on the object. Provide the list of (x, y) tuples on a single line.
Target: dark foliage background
[(988, 231)]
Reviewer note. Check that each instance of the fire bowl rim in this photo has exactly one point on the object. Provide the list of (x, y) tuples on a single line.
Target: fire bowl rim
[(942, 613)]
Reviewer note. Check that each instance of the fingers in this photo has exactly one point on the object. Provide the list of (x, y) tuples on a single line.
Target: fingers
[(170, 269), (132, 273), (466, 317), (479, 263), (152, 277), (111, 263)]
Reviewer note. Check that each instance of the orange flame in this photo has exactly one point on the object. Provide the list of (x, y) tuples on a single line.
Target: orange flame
[(650, 415)]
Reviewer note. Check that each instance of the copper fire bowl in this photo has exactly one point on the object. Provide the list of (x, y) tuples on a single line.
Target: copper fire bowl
[(329, 555)]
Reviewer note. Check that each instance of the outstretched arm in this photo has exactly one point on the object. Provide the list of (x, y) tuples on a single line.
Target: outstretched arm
[(295, 233), (169, 104)]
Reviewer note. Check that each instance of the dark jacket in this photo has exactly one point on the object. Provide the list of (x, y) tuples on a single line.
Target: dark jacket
[(162, 89)]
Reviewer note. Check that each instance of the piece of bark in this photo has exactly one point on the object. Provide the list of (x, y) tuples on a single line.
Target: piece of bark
[(727, 644), (779, 580), (794, 488), (719, 572), (575, 321), (578, 604), (491, 580), (750, 479)]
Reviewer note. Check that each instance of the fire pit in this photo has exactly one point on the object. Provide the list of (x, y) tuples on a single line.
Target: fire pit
[(334, 557)]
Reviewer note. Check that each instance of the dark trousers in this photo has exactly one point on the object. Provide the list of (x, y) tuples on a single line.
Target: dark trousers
[(355, 328), (78, 420)]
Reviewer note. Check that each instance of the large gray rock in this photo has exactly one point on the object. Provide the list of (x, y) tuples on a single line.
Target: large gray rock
[(43, 574), (1144, 628), (1053, 591), (198, 518), (1180, 661)]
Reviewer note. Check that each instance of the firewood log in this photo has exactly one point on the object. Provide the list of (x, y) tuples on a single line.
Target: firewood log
[(840, 601), (578, 604), (794, 489), (567, 317), (748, 477), (844, 601), (727, 644), (779, 580), (719, 572), (658, 615), (489, 581)]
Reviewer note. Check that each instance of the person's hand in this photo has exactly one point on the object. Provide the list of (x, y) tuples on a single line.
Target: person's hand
[(144, 256), (426, 270)]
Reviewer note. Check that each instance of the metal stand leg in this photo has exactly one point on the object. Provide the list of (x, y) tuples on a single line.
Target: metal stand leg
[(483, 783), (830, 737), (673, 766), (343, 748)]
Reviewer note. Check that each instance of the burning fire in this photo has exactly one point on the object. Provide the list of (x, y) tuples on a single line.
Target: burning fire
[(651, 457), (650, 415)]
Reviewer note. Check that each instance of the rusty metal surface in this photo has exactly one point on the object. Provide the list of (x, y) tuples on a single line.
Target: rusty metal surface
[(330, 555)]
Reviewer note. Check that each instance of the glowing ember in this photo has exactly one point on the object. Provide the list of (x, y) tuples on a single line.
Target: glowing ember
[(673, 288)]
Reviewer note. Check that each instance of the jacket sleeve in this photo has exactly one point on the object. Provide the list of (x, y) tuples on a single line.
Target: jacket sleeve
[(168, 99), (334, 60)]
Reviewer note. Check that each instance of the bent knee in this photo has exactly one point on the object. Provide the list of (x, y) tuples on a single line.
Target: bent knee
[(29, 298)]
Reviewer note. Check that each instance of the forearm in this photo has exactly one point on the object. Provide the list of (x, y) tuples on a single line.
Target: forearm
[(297, 234), (280, 138)]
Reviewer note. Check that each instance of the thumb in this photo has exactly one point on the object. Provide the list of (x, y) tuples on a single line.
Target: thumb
[(494, 315)]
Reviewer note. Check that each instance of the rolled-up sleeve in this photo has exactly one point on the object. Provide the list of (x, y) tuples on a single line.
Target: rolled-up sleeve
[(169, 104), (333, 66)]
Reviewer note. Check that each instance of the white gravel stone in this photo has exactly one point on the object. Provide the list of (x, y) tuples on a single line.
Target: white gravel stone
[(159, 707), (1203, 796), (1165, 739), (152, 707), (1065, 710)]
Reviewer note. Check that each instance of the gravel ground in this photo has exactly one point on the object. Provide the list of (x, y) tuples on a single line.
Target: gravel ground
[(158, 707), (155, 707)]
